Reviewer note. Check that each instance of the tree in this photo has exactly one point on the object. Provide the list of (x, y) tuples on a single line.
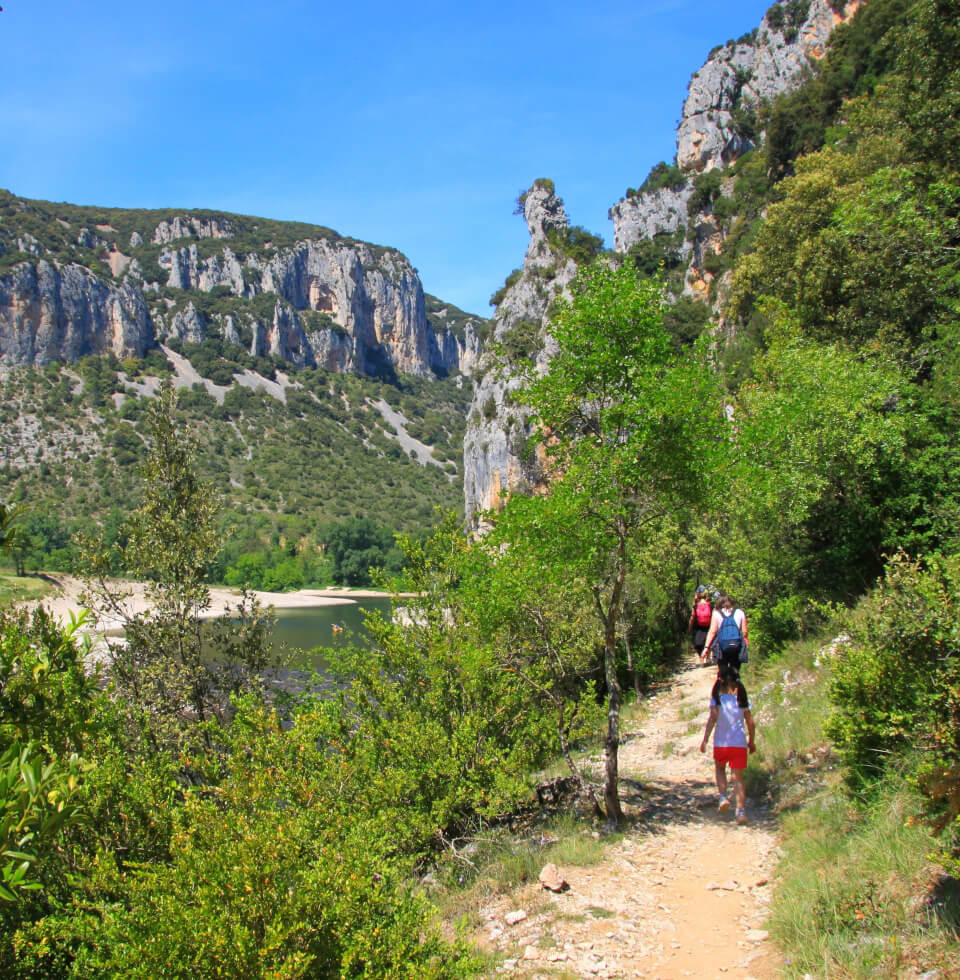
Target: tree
[(535, 633), (12, 539), (356, 546), (170, 668), (628, 427)]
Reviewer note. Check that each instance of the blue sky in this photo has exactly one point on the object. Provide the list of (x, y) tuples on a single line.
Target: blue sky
[(411, 125)]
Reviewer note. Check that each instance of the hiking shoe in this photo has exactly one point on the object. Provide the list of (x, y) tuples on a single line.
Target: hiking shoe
[(723, 805), (742, 817)]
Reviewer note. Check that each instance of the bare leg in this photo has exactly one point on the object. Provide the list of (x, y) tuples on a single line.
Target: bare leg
[(739, 788), (721, 773)]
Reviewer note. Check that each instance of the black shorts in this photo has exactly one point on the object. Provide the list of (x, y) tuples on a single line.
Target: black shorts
[(730, 658), (699, 638)]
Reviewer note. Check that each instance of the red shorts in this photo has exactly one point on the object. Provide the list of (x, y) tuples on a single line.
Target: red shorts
[(736, 755)]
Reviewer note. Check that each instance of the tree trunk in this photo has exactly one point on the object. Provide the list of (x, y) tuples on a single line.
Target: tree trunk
[(611, 616), (611, 790), (584, 787)]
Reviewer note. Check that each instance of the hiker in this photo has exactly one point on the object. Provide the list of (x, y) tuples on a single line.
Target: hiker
[(726, 641), (733, 738), (700, 618)]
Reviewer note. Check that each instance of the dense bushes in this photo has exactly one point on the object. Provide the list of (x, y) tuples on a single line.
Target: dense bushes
[(896, 684), (357, 546)]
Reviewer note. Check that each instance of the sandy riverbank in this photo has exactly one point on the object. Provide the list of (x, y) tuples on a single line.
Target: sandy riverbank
[(66, 599)]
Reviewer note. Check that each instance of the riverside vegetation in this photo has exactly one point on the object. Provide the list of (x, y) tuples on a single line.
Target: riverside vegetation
[(809, 465)]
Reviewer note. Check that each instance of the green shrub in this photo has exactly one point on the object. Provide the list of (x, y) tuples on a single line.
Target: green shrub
[(523, 340), (497, 298), (661, 175), (896, 685), (576, 243)]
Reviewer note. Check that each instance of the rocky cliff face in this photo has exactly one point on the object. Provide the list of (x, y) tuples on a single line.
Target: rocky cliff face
[(325, 302), (735, 79), (50, 313), (495, 458)]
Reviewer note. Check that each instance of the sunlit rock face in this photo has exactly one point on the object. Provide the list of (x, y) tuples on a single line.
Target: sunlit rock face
[(52, 313), (496, 458), (339, 304), (736, 78)]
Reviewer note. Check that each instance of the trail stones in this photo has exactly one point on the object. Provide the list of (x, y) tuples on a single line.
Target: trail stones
[(551, 879), (512, 918)]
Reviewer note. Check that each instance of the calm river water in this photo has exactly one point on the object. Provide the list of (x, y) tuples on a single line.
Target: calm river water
[(324, 626)]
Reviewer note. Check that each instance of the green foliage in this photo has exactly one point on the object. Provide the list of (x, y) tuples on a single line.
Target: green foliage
[(36, 803), (575, 243), (46, 711), (895, 685), (523, 341), (815, 428), (859, 55), (357, 547), (512, 279), (686, 320), (450, 736), (706, 189), (13, 540), (280, 872), (661, 175), (660, 254), (168, 664), (621, 419)]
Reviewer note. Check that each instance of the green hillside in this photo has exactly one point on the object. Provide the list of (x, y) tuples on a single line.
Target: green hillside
[(287, 470)]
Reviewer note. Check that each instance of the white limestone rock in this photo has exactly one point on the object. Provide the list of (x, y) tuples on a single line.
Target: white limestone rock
[(53, 313)]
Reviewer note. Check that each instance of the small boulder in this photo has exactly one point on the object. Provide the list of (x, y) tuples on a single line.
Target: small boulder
[(551, 879)]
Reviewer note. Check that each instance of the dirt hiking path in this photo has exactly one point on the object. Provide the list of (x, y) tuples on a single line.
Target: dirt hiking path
[(684, 893)]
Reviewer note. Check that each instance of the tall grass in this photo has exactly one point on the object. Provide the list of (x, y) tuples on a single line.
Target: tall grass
[(857, 895)]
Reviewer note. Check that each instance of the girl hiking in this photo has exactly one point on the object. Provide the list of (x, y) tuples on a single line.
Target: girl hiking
[(733, 739)]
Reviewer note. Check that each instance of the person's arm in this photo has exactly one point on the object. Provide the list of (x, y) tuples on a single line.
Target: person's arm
[(693, 619), (711, 721), (714, 626), (743, 628), (751, 729)]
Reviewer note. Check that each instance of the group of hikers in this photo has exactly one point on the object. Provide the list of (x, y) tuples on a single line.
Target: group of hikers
[(718, 629)]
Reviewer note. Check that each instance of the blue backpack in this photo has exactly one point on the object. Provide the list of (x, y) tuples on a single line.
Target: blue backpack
[(729, 640)]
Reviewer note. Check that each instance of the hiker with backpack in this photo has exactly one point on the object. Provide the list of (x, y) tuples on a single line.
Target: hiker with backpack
[(726, 640), (700, 618), (733, 738)]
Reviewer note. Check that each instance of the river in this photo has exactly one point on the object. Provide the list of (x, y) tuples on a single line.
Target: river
[(308, 628)]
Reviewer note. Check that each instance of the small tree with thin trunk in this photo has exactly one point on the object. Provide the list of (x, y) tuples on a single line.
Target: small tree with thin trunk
[(629, 428), (172, 668)]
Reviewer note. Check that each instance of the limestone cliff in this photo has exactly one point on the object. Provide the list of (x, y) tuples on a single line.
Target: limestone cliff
[(736, 78), (712, 134), (495, 444), (311, 301), (62, 313)]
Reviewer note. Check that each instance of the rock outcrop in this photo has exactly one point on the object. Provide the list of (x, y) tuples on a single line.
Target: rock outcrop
[(50, 313), (328, 302), (495, 454), (754, 70), (737, 78), (192, 227)]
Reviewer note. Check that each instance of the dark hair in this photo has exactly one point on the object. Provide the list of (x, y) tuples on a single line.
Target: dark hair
[(725, 600), (728, 674)]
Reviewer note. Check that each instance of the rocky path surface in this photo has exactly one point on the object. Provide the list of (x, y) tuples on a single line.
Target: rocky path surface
[(683, 893)]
